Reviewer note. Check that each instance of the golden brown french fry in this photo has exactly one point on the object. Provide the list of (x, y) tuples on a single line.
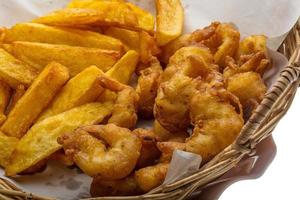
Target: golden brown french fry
[(35, 99), (169, 20), (145, 19), (122, 71), (76, 59), (148, 47), (5, 93), (81, 89), (14, 72), (109, 14), (7, 145), (41, 140), (33, 32), (131, 39), (18, 93)]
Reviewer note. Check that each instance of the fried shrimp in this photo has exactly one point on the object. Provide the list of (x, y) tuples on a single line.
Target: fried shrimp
[(106, 151), (149, 151), (147, 86), (217, 119), (125, 109), (253, 44)]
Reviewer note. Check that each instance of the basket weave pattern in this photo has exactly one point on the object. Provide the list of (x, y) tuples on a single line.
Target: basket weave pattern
[(261, 124)]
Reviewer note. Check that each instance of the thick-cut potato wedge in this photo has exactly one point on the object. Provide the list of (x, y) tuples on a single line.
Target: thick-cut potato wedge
[(81, 89), (18, 93), (7, 145), (14, 72), (148, 47), (76, 59), (33, 32), (35, 99), (124, 68), (145, 19), (169, 20), (130, 39), (5, 93), (108, 14), (41, 140)]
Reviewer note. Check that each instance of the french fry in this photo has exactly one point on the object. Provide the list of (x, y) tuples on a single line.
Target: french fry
[(81, 89), (18, 93), (7, 145), (76, 59), (145, 19), (124, 68), (130, 39), (5, 93), (35, 99), (108, 14), (148, 47), (14, 72), (169, 20), (41, 140), (33, 32)]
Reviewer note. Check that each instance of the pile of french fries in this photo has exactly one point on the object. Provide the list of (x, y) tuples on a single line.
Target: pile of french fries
[(49, 71)]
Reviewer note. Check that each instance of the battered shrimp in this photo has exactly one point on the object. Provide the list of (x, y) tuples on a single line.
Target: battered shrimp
[(125, 108), (217, 119), (253, 44), (163, 134), (87, 146), (147, 86), (149, 151)]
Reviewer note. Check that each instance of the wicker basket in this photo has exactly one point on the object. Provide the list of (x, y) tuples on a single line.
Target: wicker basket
[(261, 124)]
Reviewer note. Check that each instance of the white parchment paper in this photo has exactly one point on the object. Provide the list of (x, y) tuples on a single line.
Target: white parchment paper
[(273, 18)]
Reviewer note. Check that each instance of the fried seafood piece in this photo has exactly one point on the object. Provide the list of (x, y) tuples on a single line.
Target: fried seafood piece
[(163, 134), (217, 118), (147, 85), (105, 151), (253, 44), (149, 151), (123, 187), (125, 109), (256, 62), (150, 177)]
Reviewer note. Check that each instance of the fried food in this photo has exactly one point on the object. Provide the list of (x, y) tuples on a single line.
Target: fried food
[(147, 86), (5, 93), (253, 44), (167, 149), (163, 134), (81, 89), (39, 55), (87, 147), (15, 72), (169, 20), (122, 187), (148, 47), (131, 39), (216, 122), (150, 177), (41, 139), (16, 96), (7, 145), (248, 87), (124, 68), (33, 32), (97, 14), (149, 151), (197, 37), (35, 99)]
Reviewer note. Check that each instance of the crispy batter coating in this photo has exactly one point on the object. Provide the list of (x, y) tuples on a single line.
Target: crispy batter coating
[(149, 151), (106, 151), (216, 121), (253, 44), (147, 86)]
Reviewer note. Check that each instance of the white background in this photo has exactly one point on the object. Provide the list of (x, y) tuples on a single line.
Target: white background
[(281, 180)]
